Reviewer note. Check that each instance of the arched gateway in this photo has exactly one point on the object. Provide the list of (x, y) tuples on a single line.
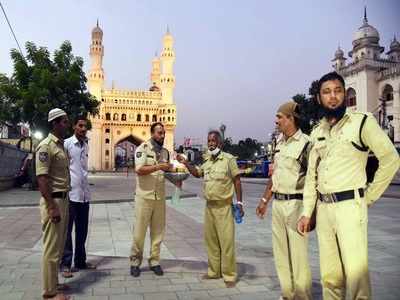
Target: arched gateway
[(125, 116)]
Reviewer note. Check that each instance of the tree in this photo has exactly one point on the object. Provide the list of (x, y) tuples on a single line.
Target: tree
[(308, 108), (40, 83)]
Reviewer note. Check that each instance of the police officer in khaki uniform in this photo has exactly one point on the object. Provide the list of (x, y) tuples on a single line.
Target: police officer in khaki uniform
[(336, 184), (151, 159), (221, 178), (289, 171), (52, 171)]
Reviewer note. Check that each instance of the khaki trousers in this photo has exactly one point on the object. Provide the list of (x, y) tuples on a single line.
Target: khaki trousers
[(149, 213), (54, 236), (343, 246), (219, 236), (290, 250)]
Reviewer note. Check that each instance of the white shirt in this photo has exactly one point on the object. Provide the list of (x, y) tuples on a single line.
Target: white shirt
[(78, 168)]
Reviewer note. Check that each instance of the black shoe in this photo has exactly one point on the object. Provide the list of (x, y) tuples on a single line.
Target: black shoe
[(157, 270), (135, 271)]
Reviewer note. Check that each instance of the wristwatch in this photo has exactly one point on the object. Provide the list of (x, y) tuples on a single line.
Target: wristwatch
[(264, 200)]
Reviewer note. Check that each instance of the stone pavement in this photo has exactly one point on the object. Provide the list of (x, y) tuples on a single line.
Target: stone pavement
[(183, 254)]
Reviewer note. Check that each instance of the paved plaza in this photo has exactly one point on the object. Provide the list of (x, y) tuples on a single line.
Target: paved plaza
[(183, 253)]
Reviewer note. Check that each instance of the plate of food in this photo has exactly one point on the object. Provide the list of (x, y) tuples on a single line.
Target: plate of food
[(178, 172)]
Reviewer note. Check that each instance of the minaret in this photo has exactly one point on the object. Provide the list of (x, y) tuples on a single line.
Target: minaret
[(339, 61), (96, 73), (155, 72), (167, 79), (394, 52), (95, 86)]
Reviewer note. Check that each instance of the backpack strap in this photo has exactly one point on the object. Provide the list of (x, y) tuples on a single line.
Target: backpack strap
[(363, 147)]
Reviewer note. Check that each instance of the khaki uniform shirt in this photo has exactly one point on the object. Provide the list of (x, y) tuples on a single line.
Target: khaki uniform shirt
[(288, 177), (151, 186), (335, 165), (218, 177), (52, 160)]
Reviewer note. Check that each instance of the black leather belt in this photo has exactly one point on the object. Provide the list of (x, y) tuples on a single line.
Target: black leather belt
[(340, 196), (279, 196), (61, 195)]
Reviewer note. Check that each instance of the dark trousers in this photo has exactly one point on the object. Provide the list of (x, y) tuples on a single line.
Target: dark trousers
[(78, 215)]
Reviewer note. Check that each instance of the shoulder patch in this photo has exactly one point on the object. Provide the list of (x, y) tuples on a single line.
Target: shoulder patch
[(138, 154), (43, 156)]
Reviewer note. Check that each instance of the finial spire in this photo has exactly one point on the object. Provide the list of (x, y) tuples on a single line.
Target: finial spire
[(155, 54), (365, 14), (168, 29), (97, 24)]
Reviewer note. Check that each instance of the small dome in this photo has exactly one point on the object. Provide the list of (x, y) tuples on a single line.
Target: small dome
[(97, 32), (395, 45), (339, 53)]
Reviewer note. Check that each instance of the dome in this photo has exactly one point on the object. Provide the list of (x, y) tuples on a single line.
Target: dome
[(339, 53), (395, 45), (97, 32), (366, 33)]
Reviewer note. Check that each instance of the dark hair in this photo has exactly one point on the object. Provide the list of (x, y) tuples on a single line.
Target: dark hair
[(79, 118), (154, 125), (217, 133), (328, 77)]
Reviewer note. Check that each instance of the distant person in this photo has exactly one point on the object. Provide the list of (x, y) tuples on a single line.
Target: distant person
[(79, 198), (54, 183), (151, 159), (286, 188), (221, 178)]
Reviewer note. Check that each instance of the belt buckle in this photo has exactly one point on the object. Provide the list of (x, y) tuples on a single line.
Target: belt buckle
[(329, 198)]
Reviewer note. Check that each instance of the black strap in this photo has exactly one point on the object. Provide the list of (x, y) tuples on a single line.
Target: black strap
[(340, 196), (280, 196), (361, 128), (363, 147), (301, 161)]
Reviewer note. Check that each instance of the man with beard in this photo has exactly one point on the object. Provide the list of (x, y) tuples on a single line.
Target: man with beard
[(52, 171), (221, 177), (290, 167), (336, 186), (77, 149), (151, 159)]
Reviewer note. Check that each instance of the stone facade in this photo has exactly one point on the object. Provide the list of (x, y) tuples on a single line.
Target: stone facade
[(126, 115), (373, 81)]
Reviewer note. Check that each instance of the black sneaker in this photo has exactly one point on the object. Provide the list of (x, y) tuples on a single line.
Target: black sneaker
[(157, 270), (135, 271)]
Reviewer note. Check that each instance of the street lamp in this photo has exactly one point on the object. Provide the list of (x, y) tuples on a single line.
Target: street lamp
[(38, 135)]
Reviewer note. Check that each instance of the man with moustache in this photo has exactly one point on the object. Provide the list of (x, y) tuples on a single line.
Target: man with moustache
[(221, 178), (286, 186), (336, 186), (52, 171), (77, 149), (151, 159)]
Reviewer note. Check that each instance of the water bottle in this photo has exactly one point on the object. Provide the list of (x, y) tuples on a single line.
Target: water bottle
[(236, 213)]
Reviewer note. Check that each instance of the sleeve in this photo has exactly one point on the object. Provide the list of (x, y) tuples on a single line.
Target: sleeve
[(233, 167), (310, 186), (379, 143), (200, 170), (42, 160), (140, 158)]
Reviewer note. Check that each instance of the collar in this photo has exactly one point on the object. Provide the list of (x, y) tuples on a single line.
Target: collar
[(296, 136), (346, 116), (155, 146), (75, 140), (54, 138)]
